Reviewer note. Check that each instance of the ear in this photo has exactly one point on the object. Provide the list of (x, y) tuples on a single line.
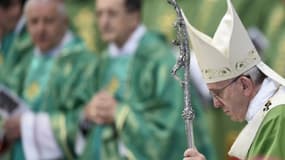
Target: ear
[(247, 85)]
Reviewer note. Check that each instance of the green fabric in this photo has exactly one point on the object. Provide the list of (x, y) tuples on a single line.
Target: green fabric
[(20, 45), (269, 140), (7, 42), (17, 152), (68, 87), (116, 71), (81, 15), (37, 77), (13, 50), (150, 106)]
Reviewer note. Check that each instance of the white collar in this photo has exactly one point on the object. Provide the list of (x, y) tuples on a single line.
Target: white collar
[(266, 91), (68, 36), (131, 44)]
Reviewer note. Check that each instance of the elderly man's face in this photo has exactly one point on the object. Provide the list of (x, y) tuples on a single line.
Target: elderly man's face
[(229, 96), (46, 25), (114, 21)]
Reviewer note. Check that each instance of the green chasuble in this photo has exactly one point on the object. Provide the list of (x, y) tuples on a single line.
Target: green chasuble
[(7, 42), (263, 136), (59, 85), (269, 142), (16, 46), (148, 123), (36, 79), (5, 46)]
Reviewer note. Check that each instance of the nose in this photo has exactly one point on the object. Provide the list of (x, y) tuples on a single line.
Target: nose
[(40, 26), (103, 19)]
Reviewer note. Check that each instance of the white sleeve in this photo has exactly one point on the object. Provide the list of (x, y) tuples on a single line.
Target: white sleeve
[(27, 135), (37, 137)]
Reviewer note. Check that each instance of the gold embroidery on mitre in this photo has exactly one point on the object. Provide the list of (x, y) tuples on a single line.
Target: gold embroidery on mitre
[(251, 58), (33, 90), (113, 85)]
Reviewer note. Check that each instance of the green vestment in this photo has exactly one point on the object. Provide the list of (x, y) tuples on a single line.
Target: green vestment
[(14, 48), (270, 140), (58, 85), (148, 123), (263, 136)]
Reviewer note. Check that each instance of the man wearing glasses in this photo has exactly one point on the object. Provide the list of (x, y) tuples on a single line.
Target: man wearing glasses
[(243, 87)]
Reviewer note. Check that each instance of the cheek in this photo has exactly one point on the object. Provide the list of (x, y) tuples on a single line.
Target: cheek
[(33, 33), (53, 31), (120, 24), (240, 107)]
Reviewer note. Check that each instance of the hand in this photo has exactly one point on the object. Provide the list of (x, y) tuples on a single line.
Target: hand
[(193, 154), (12, 128), (101, 109)]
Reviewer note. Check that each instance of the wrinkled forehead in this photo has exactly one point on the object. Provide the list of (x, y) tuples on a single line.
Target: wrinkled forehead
[(45, 7), (41, 9)]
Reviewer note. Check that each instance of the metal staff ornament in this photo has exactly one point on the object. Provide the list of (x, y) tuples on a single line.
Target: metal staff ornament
[(183, 61)]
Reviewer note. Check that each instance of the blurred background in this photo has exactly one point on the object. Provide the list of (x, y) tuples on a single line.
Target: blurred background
[(264, 19)]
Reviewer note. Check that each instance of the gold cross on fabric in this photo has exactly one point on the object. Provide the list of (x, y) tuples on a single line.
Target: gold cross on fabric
[(113, 85), (33, 90)]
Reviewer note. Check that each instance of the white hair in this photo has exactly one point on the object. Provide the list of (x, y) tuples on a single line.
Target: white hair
[(255, 75), (60, 6)]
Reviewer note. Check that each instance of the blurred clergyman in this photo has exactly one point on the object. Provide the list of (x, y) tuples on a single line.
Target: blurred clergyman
[(53, 79)]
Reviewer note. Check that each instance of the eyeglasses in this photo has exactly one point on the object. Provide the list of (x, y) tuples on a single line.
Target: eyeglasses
[(218, 92)]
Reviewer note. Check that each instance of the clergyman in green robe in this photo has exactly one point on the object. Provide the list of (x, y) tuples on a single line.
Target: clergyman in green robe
[(244, 87), (55, 81), (137, 110)]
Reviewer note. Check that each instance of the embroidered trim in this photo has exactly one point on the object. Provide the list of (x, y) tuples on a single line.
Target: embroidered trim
[(60, 127), (239, 66), (122, 116)]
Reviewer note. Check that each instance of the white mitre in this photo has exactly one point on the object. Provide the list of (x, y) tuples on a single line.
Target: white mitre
[(229, 53)]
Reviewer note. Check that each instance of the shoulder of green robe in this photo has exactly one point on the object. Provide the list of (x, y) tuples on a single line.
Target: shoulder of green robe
[(155, 46), (269, 141), (76, 48), (276, 112), (23, 42), (21, 48), (76, 57)]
